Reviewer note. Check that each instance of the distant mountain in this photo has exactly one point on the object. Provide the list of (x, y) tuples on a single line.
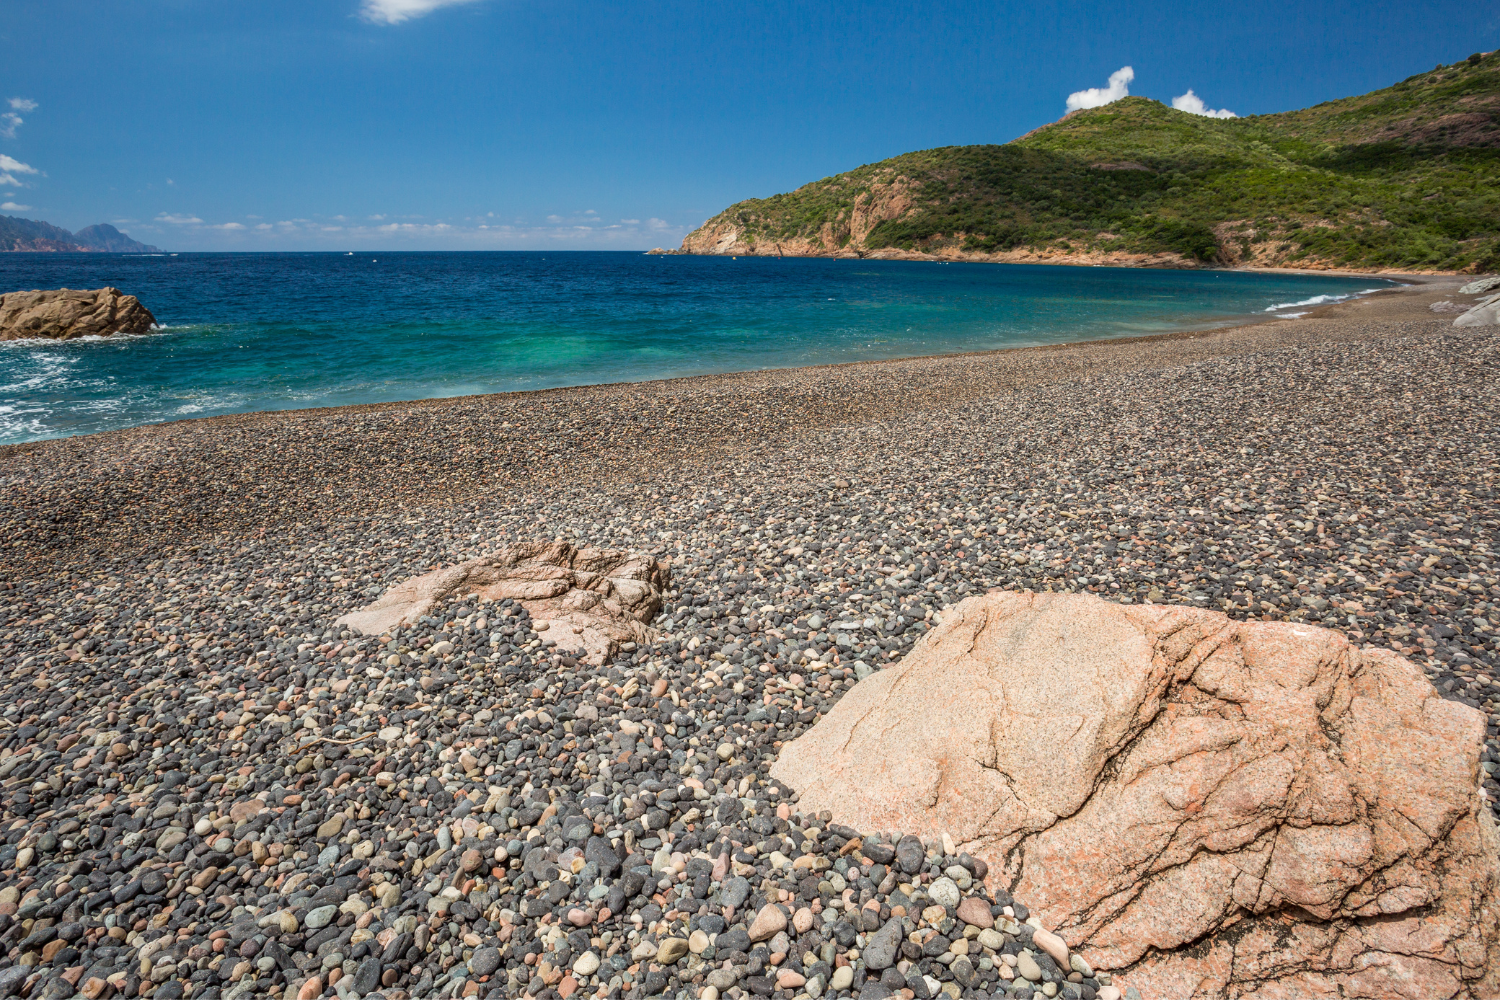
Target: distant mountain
[(1404, 177), (109, 239), (35, 236)]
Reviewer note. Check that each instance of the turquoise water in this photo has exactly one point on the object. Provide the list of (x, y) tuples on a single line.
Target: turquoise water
[(244, 332)]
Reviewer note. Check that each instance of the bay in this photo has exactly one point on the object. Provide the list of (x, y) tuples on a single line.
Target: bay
[(247, 332)]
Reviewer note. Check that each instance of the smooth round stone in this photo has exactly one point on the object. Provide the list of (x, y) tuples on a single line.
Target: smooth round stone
[(1027, 968), (586, 964), (670, 950), (842, 979), (322, 916), (945, 892), (484, 961)]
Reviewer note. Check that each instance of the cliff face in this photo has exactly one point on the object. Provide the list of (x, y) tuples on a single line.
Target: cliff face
[(1405, 178)]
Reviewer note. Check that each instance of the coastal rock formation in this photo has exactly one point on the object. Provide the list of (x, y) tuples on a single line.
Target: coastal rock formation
[(588, 599), (1480, 286), (1213, 807), (1485, 313), (67, 314)]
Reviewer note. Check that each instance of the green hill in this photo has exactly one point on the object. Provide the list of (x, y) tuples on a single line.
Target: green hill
[(1404, 177)]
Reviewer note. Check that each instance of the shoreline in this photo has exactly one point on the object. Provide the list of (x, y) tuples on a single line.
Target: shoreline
[(1418, 281), (174, 588), (1160, 261)]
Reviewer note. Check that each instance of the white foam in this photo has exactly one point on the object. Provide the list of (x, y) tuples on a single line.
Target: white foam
[(1319, 300)]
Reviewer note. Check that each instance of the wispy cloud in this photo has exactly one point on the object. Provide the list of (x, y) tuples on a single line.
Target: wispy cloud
[(10, 121), (1193, 105), (10, 166), (180, 220), (228, 225), (1097, 97), (11, 206), (398, 11)]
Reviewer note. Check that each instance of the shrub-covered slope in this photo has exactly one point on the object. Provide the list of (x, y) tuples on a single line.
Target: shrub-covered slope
[(1405, 177)]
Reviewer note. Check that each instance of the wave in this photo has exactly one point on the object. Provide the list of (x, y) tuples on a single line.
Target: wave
[(114, 338), (1319, 300)]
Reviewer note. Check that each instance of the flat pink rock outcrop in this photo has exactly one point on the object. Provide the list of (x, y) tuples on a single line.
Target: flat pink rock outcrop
[(1204, 807), (588, 599)]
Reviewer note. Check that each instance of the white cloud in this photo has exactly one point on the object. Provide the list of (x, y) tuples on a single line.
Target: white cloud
[(1097, 97), (11, 206), (180, 220), (9, 167), (397, 11), (658, 224), (228, 225), (1193, 105), (631, 222), (10, 121)]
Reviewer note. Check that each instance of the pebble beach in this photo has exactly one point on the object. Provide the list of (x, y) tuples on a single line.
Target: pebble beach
[(211, 789)]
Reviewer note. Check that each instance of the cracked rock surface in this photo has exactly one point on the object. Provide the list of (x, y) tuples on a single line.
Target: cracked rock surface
[(1214, 806)]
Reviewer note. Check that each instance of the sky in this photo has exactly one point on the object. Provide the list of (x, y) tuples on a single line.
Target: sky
[(520, 124)]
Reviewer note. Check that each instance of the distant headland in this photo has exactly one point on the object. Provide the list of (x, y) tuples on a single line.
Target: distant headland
[(34, 236), (1404, 178)]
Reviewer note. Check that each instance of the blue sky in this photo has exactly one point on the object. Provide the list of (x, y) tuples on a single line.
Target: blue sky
[(518, 124)]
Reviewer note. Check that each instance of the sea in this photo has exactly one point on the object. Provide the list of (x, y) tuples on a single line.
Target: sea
[(242, 332)]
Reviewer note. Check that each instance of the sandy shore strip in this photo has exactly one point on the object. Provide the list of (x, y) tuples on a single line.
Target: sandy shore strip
[(168, 593)]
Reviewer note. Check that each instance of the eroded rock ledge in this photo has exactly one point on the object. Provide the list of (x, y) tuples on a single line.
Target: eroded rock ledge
[(1210, 807), (586, 599)]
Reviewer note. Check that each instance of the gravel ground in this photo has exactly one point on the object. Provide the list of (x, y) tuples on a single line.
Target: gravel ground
[(210, 790)]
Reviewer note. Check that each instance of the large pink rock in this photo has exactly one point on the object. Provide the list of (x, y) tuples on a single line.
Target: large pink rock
[(1204, 807), (70, 313), (583, 598)]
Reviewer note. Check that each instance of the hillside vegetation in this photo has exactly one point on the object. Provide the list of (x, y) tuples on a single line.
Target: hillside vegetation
[(1404, 177)]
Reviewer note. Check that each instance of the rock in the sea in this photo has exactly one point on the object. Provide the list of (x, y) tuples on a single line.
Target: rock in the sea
[(67, 314), (583, 599), (1207, 806)]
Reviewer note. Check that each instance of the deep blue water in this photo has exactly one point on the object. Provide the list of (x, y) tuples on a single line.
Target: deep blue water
[(249, 332)]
